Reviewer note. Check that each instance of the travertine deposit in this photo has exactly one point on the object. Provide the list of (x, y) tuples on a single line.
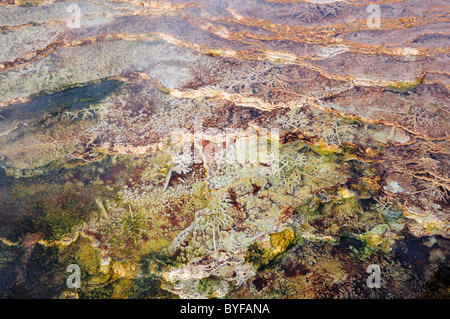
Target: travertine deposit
[(130, 145)]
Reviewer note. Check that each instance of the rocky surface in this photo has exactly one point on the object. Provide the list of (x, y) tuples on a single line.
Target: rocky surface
[(113, 132)]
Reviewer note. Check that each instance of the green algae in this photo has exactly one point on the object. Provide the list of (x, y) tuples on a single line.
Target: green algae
[(325, 208), (133, 225), (392, 216), (209, 285), (265, 254), (56, 202), (87, 257), (402, 87)]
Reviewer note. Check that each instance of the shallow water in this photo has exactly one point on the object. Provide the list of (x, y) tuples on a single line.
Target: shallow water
[(94, 170)]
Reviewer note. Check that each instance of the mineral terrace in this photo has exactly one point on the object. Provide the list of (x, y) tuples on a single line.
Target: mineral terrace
[(127, 147)]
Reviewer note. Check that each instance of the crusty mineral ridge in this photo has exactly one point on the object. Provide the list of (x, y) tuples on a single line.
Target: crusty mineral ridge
[(361, 112)]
